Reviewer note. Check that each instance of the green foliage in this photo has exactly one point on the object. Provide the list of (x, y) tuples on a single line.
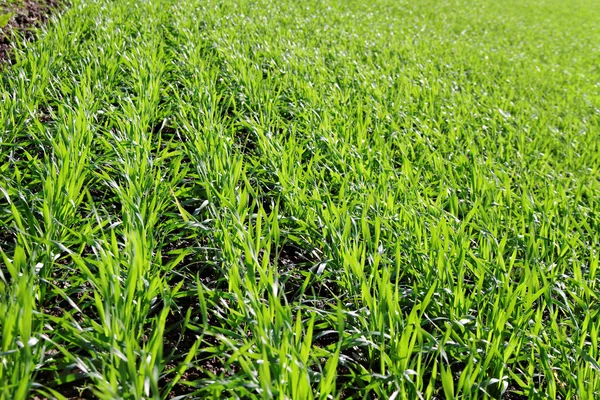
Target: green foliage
[(294, 200), (4, 19)]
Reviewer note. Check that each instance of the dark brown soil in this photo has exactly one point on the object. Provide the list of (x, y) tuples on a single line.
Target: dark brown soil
[(27, 15)]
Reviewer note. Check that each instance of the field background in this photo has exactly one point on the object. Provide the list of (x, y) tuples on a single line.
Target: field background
[(316, 199)]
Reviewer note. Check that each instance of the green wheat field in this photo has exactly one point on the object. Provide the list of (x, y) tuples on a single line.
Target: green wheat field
[(317, 199)]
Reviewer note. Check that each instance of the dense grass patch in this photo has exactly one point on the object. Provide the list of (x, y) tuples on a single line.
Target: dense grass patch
[(316, 199)]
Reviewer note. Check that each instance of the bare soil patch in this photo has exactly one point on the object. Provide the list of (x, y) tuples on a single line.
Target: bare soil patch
[(25, 15)]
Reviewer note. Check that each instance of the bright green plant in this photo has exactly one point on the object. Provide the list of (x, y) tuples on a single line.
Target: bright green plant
[(298, 200), (5, 19)]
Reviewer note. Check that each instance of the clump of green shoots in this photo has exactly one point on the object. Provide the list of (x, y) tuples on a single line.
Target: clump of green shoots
[(298, 200)]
